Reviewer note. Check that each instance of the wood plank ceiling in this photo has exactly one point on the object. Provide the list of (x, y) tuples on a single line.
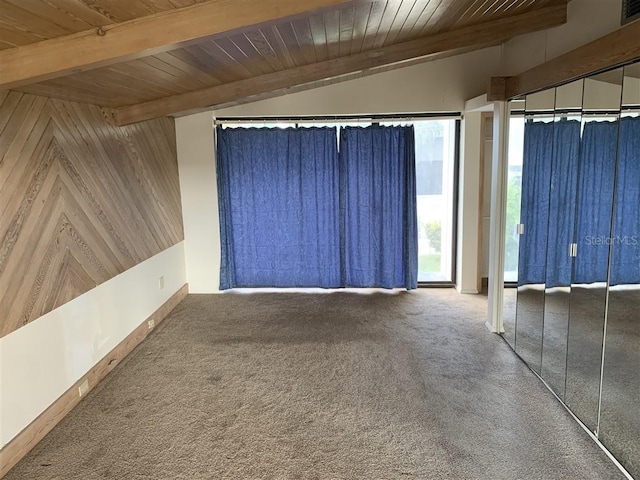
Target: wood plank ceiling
[(345, 30)]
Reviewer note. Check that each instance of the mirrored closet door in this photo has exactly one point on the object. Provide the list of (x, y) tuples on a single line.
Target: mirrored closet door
[(574, 318), (537, 161), (561, 233), (594, 203), (619, 425)]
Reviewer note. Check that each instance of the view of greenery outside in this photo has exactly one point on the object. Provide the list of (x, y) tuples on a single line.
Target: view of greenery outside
[(514, 194), (433, 232), (430, 262), (435, 140), (514, 191)]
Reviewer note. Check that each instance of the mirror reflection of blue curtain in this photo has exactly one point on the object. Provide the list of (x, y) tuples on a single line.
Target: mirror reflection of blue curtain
[(534, 207), (562, 196), (595, 201), (625, 256), (279, 207), (378, 206)]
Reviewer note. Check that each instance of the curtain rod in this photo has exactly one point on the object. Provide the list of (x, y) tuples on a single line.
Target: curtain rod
[(342, 118)]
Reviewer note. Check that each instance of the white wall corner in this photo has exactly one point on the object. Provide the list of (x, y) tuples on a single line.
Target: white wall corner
[(199, 193), (467, 274), (74, 337), (478, 104)]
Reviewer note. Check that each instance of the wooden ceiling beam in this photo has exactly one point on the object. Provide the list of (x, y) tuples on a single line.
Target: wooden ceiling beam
[(480, 34), (142, 36), (612, 50)]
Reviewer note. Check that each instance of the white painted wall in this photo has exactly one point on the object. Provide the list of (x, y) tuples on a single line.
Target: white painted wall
[(439, 86), (199, 191), (468, 203), (486, 199), (474, 210), (73, 338)]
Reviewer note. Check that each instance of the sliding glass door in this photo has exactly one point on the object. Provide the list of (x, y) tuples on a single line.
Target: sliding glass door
[(435, 176), (436, 164)]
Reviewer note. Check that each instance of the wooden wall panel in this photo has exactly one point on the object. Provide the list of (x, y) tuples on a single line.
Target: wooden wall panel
[(80, 201)]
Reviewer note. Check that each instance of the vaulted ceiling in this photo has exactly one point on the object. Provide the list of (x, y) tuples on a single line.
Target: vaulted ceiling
[(150, 58)]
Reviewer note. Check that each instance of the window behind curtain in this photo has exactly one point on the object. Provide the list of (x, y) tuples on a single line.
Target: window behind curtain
[(278, 191), (378, 206), (435, 152), (436, 163)]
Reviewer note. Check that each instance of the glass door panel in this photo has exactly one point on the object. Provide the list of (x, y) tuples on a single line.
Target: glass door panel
[(435, 186)]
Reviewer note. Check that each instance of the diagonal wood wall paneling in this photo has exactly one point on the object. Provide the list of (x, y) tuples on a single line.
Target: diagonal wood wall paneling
[(80, 201)]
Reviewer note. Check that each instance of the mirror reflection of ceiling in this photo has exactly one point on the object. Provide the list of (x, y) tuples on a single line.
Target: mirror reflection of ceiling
[(632, 70), (631, 90), (611, 76)]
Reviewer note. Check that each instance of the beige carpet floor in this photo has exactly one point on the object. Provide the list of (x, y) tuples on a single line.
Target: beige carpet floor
[(320, 386)]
